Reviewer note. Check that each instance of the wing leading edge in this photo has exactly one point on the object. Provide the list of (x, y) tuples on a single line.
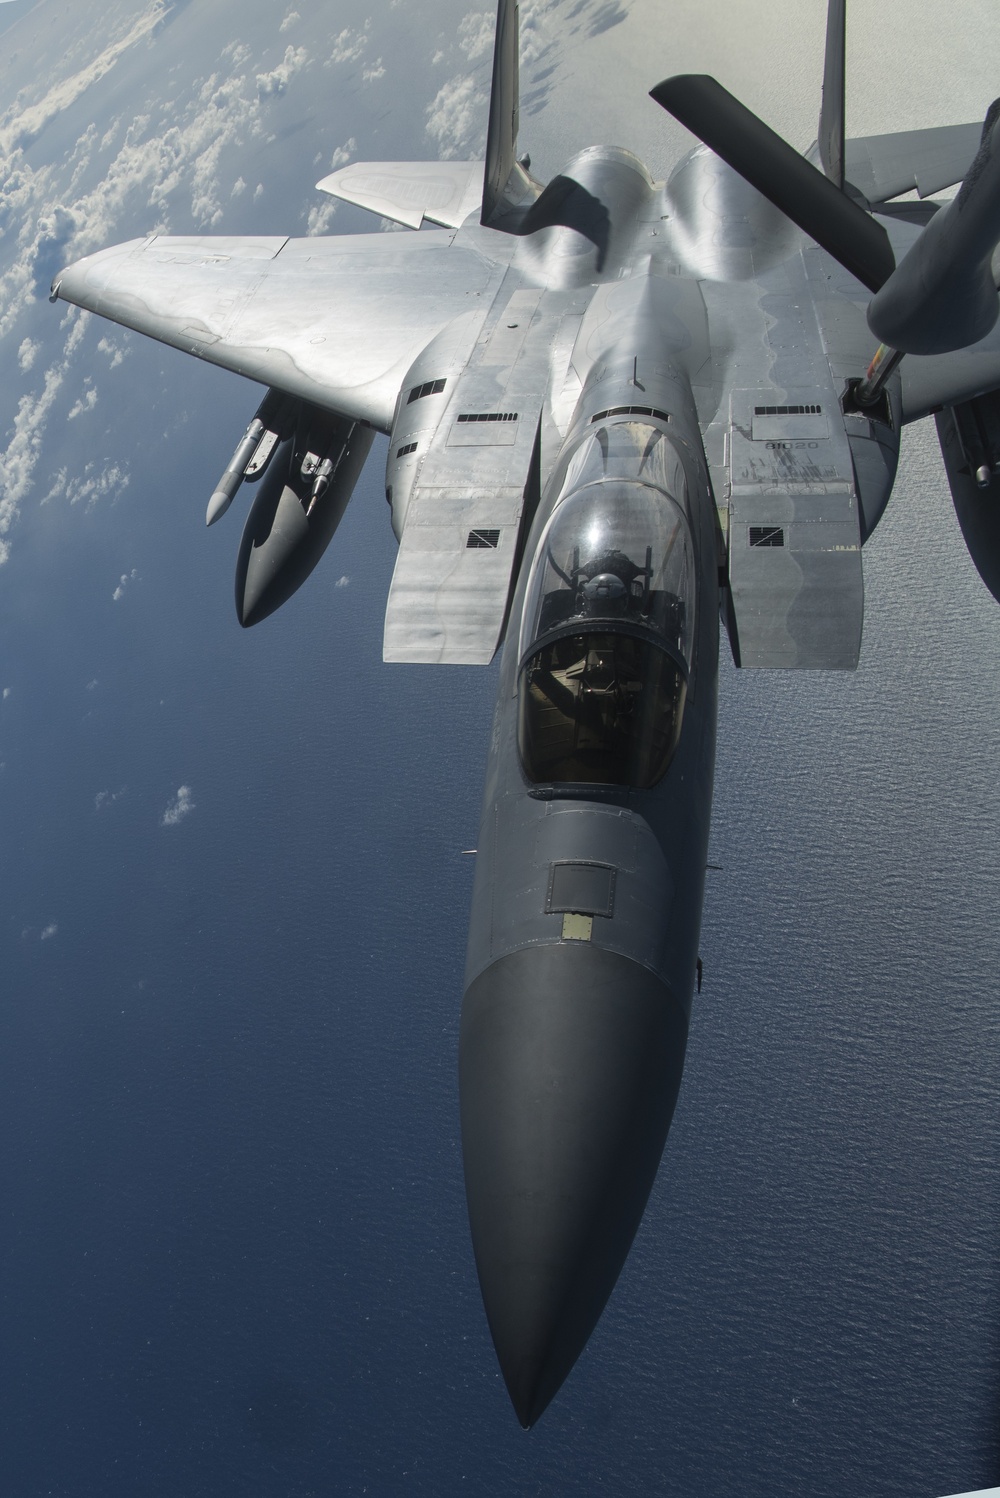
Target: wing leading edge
[(335, 321)]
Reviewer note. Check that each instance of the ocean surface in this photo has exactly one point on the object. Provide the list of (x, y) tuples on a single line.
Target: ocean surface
[(234, 1241), (234, 1257)]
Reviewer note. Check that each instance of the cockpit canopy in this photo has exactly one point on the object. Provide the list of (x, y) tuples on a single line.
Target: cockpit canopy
[(618, 552), (606, 638)]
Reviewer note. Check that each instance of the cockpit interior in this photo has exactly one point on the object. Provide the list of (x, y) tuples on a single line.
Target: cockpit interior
[(606, 638)]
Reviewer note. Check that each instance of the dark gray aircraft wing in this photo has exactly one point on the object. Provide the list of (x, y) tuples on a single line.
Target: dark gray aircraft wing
[(883, 166), (336, 321)]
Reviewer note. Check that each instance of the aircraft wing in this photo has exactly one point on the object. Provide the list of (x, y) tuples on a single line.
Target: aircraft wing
[(336, 321), (883, 166)]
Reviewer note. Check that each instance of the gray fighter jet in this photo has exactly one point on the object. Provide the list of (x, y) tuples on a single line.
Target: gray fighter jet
[(618, 409)]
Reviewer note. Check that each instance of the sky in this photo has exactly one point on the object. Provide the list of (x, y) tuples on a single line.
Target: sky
[(234, 899)]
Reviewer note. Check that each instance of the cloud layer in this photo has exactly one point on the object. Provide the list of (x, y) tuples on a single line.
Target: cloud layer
[(180, 807)]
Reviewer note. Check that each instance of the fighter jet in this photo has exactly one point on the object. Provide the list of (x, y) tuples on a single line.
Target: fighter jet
[(619, 410)]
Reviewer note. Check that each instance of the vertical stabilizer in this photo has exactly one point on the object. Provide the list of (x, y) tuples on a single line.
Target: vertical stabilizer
[(831, 114), (506, 184)]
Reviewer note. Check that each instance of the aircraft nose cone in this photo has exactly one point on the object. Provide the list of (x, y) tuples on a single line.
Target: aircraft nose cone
[(569, 1067)]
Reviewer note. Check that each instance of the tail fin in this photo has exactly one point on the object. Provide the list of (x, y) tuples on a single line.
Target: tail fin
[(831, 114), (506, 184)]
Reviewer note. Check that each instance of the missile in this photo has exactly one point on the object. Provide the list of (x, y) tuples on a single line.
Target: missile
[(942, 294), (301, 501), (225, 490), (263, 425)]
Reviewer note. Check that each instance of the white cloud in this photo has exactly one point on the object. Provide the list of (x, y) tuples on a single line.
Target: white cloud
[(20, 125), (376, 71), (239, 187), (108, 798), (538, 29), (179, 807), (85, 402), (88, 485), (348, 46), (320, 217), (107, 139), (343, 154), (49, 931), (51, 221), (290, 20), (92, 486), (114, 352), (6, 693), (342, 582), (17, 463), (456, 117), (237, 52), (277, 81), (123, 582), (92, 684), (475, 34), (258, 192), (77, 322)]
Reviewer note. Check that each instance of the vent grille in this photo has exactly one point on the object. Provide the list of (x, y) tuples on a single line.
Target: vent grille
[(631, 411), (429, 387), (409, 447), (487, 416), (483, 541), (767, 535), (788, 410)]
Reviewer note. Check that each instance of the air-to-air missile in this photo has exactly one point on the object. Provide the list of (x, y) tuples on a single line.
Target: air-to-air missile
[(614, 407)]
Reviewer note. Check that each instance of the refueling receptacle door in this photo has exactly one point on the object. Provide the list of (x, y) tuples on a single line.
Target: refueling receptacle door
[(794, 532)]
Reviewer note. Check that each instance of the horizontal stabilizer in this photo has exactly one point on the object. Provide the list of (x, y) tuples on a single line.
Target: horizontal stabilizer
[(883, 166), (445, 192), (777, 171)]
